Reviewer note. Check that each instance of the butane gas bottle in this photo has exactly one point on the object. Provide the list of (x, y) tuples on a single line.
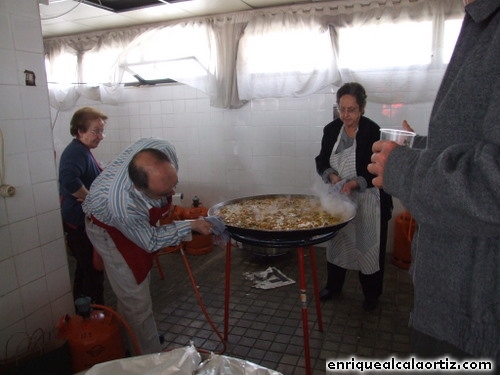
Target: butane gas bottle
[(201, 243), (93, 336), (404, 228)]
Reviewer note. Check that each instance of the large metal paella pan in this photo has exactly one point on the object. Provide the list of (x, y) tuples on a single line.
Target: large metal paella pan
[(279, 219)]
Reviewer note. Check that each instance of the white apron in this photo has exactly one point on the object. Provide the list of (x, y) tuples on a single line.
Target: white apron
[(356, 246)]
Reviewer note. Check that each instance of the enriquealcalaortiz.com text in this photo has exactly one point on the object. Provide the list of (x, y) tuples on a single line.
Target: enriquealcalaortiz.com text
[(410, 364)]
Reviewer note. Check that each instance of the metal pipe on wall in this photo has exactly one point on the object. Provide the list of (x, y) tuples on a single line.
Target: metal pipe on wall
[(5, 190)]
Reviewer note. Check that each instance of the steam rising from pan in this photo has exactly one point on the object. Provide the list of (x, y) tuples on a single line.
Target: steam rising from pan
[(336, 204)]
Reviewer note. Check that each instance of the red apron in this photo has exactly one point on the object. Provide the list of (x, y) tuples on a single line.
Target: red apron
[(139, 260)]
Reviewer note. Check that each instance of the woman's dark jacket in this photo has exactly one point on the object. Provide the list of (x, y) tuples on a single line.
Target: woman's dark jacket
[(368, 133)]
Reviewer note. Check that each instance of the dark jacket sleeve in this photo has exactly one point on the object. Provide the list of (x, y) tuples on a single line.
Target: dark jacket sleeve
[(330, 133)]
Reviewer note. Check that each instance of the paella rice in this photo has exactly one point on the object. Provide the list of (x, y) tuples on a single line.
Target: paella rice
[(280, 213)]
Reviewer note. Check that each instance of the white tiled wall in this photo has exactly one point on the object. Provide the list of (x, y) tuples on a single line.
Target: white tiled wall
[(267, 146), (34, 289)]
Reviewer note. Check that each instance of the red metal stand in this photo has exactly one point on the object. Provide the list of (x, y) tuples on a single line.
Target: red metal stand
[(303, 297), (312, 256), (226, 289), (303, 300)]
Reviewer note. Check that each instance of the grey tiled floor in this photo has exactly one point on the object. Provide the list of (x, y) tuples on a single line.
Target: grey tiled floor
[(265, 326)]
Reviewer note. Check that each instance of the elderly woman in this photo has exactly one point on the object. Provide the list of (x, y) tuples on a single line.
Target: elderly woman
[(77, 170), (346, 149)]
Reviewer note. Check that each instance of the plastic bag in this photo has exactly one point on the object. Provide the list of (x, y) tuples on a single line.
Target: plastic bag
[(178, 361), (223, 365)]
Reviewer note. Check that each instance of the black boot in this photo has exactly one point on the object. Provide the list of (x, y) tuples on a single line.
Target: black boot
[(372, 289), (334, 283)]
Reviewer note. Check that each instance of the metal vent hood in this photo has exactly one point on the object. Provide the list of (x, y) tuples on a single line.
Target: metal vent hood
[(119, 6)]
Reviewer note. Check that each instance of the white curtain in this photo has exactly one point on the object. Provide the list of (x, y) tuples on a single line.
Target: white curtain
[(296, 52), (72, 72), (285, 54), (412, 79), (227, 31), (234, 58), (62, 73)]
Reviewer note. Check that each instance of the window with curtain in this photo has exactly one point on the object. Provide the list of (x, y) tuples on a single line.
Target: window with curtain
[(97, 64), (62, 68), (185, 53), (395, 45), (62, 77), (400, 59), (390, 46), (385, 46), (285, 54), (80, 66)]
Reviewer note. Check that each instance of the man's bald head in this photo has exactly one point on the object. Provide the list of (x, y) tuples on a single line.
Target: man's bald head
[(152, 172)]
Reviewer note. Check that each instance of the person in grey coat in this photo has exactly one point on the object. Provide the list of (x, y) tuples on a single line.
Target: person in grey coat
[(452, 188)]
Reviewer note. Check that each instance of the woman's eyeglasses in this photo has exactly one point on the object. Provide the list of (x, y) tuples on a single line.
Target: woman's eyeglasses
[(98, 133), (349, 110)]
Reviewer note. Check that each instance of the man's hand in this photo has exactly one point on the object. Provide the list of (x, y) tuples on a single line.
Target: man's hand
[(201, 226), (381, 151)]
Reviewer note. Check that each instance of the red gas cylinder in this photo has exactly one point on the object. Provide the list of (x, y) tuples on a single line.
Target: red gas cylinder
[(201, 243), (404, 228), (93, 336)]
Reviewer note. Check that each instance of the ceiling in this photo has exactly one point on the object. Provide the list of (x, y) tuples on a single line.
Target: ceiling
[(67, 17)]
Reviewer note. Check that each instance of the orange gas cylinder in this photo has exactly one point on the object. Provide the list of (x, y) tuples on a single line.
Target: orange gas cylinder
[(93, 336), (201, 243), (404, 228)]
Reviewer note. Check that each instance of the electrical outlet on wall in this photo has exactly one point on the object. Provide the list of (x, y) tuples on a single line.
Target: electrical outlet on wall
[(29, 78)]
